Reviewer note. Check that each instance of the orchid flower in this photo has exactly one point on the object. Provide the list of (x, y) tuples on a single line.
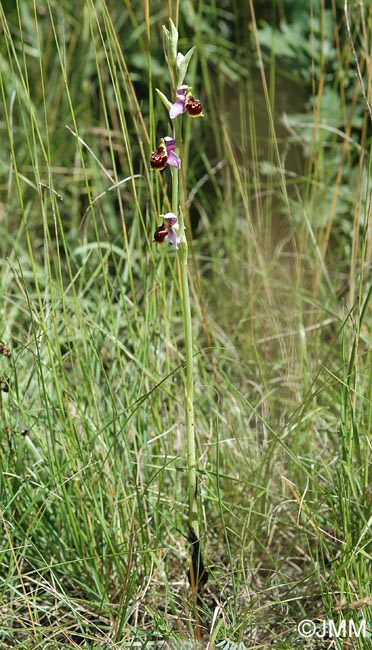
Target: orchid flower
[(168, 229), (165, 155), (185, 102)]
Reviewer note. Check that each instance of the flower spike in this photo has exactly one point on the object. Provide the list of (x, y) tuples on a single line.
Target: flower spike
[(185, 102), (165, 155)]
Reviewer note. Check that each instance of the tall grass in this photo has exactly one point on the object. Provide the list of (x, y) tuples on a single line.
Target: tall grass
[(93, 462)]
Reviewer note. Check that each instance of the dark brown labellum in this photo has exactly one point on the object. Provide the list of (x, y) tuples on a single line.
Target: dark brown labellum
[(160, 234), (193, 106), (159, 159)]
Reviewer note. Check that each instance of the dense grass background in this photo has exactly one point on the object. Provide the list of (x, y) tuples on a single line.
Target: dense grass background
[(93, 548)]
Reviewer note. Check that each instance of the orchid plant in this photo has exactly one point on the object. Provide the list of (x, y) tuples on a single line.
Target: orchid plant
[(172, 229)]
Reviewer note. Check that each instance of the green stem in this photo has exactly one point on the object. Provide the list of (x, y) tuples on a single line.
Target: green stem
[(189, 393), (175, 173), (189, 379)]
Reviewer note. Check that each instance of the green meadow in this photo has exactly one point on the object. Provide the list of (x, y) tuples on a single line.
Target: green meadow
[(276, 198)]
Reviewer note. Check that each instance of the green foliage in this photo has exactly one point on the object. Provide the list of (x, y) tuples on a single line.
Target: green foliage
[(93, 544)]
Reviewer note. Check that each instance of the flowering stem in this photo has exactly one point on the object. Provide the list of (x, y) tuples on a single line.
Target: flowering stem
[(175, 172), (189, 393), (189, 380)]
